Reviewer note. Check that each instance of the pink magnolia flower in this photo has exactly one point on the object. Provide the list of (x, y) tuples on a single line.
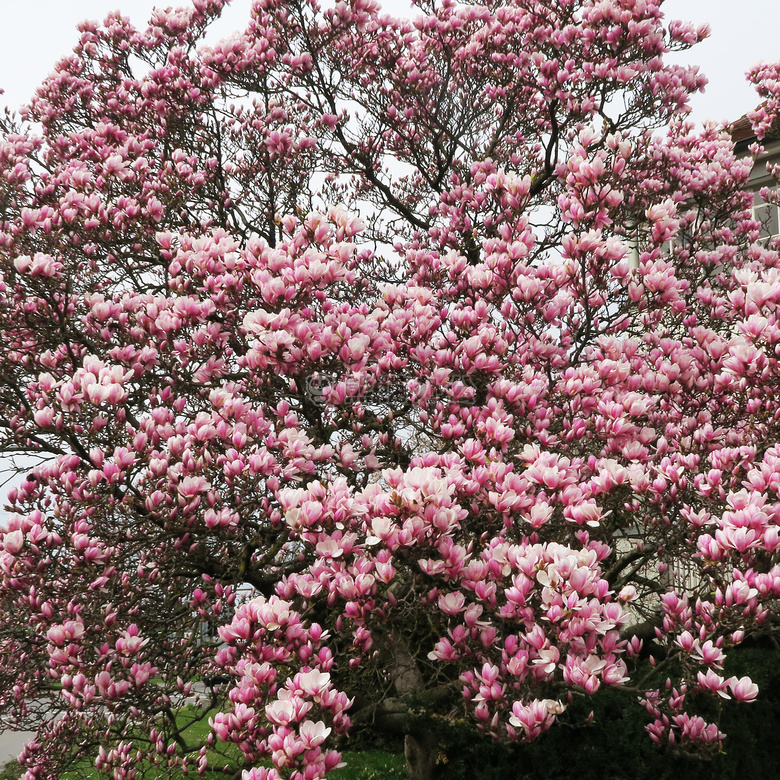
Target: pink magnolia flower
[(313, 733), (743, 689), (13, 541)]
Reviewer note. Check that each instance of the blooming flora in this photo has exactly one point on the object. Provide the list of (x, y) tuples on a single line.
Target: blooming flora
[(365, 363)]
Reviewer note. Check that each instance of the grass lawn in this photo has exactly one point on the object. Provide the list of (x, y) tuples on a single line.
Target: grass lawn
[(372, 765)]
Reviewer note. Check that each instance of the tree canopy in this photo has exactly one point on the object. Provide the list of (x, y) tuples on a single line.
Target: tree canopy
[(380, 369)]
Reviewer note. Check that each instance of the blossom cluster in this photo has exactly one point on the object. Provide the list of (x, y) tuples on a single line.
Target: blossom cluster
[(363, 370)]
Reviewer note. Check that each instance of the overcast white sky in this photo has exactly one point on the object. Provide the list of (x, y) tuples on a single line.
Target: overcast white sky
[(34, 33)]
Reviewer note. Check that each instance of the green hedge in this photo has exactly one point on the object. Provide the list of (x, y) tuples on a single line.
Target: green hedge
[(615, 745)]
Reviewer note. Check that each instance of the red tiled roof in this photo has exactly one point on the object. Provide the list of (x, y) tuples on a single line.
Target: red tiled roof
[(741, 130)]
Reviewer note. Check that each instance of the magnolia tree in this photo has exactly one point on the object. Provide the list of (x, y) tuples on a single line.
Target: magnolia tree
[(378, 370)]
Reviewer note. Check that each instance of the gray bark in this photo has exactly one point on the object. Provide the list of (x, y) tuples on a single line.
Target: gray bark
[(421, 751)]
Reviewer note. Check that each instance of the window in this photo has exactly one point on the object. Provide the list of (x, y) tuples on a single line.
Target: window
[(768, 215)]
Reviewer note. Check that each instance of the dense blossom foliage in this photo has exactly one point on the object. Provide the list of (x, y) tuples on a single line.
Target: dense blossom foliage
[(376, 368)]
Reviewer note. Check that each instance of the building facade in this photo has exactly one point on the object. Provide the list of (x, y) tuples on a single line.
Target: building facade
[(767, 214)]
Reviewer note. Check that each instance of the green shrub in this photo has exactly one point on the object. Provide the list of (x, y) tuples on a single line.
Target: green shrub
[(11, 771), (614, 745)]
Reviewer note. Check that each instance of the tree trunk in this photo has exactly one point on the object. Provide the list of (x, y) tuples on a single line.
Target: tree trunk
[(421, 750)]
